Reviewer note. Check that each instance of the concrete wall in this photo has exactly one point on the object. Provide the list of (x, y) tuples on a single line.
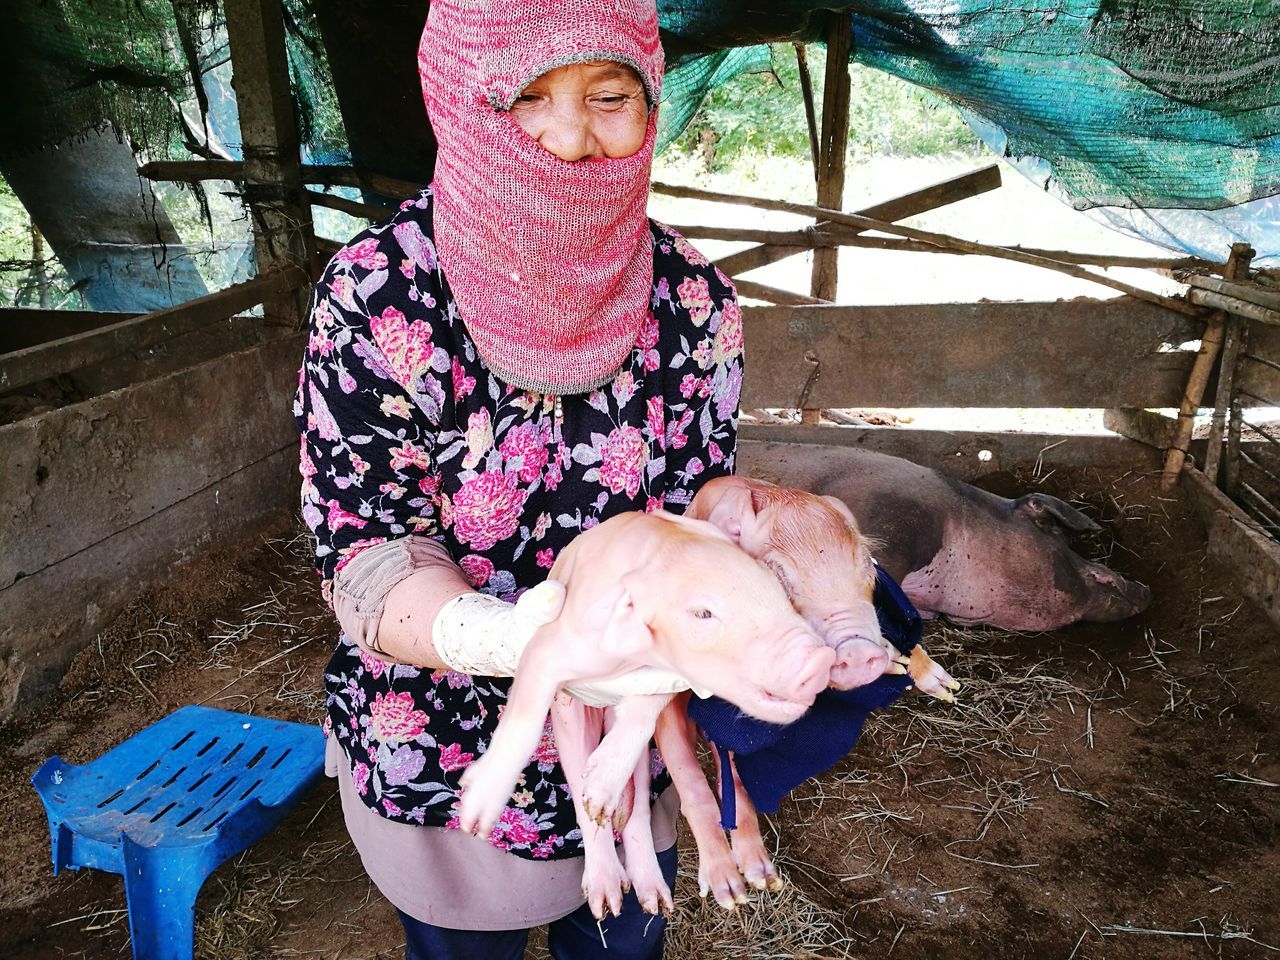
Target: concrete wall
[(103, 497)]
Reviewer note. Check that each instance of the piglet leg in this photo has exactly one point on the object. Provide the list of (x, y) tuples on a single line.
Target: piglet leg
[(637, 843), (929, 677), (718, 874), (577, 730), (748, 845), (488, 782), (611, 766)]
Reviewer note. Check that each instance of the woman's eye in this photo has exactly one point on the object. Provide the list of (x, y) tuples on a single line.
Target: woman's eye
[(525, 99)]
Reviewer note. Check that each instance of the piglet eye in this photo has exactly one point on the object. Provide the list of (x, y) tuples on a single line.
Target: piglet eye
[(702, 613)]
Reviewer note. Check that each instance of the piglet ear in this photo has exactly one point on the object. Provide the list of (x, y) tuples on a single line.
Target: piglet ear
[(843, 509), (625, 633), (734, 513), (1047, 512)]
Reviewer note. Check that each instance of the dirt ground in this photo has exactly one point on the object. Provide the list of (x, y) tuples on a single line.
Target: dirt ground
[(1108, 790)]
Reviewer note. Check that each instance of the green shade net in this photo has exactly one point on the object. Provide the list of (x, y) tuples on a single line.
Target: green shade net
[(1159, 117)]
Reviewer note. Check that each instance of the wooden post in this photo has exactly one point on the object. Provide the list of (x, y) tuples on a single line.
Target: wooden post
[(273, 191), (1236, 331), (833, 144), (810, 115), (1231, 464), (1210, 345)]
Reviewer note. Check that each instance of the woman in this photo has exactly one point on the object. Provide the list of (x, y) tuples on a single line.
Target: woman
[(514, 357)]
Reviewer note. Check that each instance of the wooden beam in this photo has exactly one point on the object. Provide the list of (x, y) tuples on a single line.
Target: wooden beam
[(355, 208), (941, 240), (775, 451), (1234, 305), (1250, 293), (844, 236), (329, 175), (273, 191), (761, 291), (1145, 426), (932, 197), (810, 115), (834, 143), (22, 327), (30, 365), (1080, 353), (1237, 541)]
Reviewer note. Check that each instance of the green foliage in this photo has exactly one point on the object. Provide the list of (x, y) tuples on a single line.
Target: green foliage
[(763, 114)]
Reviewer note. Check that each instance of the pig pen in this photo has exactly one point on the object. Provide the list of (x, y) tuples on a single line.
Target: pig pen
[(1107, 790)]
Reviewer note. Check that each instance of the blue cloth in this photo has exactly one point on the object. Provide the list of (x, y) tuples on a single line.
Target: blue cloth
[(773, 759), (634, 935)]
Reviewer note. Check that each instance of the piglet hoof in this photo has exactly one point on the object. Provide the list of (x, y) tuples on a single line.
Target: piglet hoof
[(651, 890), (931, 678), (604, 883), (720, 878), (483, 799), (607, 802), (754, 862)]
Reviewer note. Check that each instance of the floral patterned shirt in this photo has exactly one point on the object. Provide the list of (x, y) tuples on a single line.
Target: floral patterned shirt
[(405, 432)]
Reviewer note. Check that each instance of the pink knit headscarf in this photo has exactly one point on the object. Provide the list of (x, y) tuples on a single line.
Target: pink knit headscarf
[(550, 262)]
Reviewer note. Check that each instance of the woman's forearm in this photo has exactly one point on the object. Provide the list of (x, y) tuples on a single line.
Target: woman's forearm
[(404, 632)]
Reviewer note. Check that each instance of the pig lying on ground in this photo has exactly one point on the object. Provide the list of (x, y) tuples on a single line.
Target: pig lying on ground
[(648, 590), (957, 550)]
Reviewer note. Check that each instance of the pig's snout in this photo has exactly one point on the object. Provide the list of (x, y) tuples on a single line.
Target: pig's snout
[(805, 669), (858, 662), (1114, 597)]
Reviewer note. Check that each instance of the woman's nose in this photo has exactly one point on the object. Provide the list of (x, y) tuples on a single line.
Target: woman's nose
[(567, 133)]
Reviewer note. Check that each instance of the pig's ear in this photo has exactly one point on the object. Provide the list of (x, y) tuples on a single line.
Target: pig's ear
[(734, 513), (1048, 513), (625, 633), (843, 509)]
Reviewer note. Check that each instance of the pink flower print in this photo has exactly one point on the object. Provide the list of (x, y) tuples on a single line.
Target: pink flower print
[(452, 757), (551, 479), (339, 518), (358, 463), (525, 442), (446, 511), (714, 452), (346, 382), (344, 288), (689, 385), (356, 549), (656, 416), (623, 460), (404, 765), (322, 315), (546, 755), (655, 503), (543, 850), (360, 778), (624, 387), (696, 297), (319, 343), (409, 455), (392, 809), (647, 339), (430, 485), (392, 490), (728, 342), (487, 509), (691, 256), (321, 420), (306, 466), (479, 439), (546, 558), (702, 354), (516, 827), (477, 569), (374, 665), (363, 254), (407, 268), (414, 243), (462, 384), (393, 717), (676, 438), (406, 346), (695, 467), (542, 526)]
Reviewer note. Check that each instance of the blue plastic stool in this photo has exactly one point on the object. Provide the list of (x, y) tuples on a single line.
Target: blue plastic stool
[(170, 804)]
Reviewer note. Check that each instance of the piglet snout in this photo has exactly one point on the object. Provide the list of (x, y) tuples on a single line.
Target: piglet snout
[(859, 661), (805, 669)]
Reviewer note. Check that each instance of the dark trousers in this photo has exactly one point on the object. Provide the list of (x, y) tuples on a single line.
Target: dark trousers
[(635, 935)]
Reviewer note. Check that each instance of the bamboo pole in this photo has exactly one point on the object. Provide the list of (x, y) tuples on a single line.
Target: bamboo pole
[(1250, 293), (1210, 345), (937, 239), (761, 291), (1240, 308), (355, 208), (1236, 331)]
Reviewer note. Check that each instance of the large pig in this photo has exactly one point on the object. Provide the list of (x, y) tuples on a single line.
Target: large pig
[(653, 590), (958, 550)]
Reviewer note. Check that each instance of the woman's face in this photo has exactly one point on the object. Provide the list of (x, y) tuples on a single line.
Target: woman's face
[(596, 109)]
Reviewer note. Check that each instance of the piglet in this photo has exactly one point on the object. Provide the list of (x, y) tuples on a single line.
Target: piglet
[(652, 590)]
